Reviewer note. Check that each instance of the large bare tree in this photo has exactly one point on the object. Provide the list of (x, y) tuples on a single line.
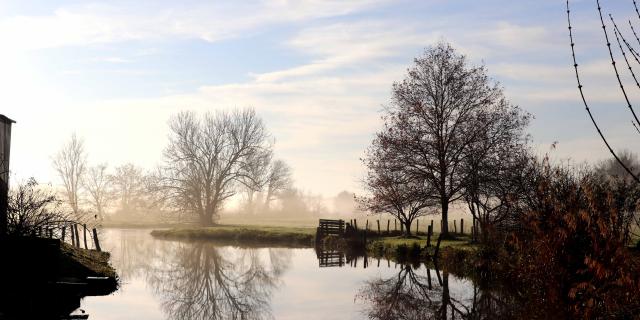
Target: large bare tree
[(431, 120), (209, 157), (97, 183), (70, 163)]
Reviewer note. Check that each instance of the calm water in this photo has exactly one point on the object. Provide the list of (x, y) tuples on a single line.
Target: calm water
[(164, 279)]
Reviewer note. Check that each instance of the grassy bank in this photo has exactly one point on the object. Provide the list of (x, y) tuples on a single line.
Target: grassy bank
[(86, 262), (268, 235), (400, 248)]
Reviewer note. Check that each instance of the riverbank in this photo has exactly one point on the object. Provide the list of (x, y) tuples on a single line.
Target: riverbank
[(268, 235), (391, 247), (400, 248)]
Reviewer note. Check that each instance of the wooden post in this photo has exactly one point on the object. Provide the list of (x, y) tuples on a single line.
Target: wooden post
[(75, 229), (355, 224), (84, 226), (455, 226), (73, 237), (401, 228), (417, 226), (461, 226), (388, 221), (378, 221), (429, 234), (64, 230), (435, 254), (95, 239), (366, 226), (395, 225)]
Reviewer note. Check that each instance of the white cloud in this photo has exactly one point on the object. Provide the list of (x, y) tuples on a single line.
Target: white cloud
[(91, 24)]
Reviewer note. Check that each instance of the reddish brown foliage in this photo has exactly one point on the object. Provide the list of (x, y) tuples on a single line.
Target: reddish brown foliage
[(571, 252)]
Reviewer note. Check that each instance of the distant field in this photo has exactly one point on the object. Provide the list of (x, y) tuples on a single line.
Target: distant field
[(243, 233)]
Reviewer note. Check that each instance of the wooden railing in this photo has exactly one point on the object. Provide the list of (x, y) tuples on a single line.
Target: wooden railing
[(77, 234)]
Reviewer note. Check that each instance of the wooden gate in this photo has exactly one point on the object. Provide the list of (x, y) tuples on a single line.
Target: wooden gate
[(330, 227)]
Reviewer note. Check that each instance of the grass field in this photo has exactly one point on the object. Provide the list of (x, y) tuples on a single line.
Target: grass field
[(243, 233)]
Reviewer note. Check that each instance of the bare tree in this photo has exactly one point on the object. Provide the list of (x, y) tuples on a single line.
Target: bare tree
[(494, 163), (32, 208), (430, 122), (278, 180), (97, 183), (391, 189), (256, 179), (209, 157), (128, 182), (70, 163)]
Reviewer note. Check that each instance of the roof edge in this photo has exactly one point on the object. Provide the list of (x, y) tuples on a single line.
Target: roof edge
[(6, 119)]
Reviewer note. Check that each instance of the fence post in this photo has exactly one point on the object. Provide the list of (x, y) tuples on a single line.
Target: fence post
[(73, 237), (429, 233), (378, 221), (64, 230), (417, 226), (95, 239), (75, 229), (395, 225), (455, 226), (366, 226), (355, 224), (388, 222), (84, 226), (461, 226)]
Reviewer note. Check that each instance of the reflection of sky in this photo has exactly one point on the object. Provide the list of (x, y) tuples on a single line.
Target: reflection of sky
[(305, 291)]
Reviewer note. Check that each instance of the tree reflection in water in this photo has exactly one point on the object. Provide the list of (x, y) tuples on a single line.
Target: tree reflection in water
[(202, 281), (421, 293)]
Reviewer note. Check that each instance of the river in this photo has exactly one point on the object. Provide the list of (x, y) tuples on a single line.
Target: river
[(164, 279)]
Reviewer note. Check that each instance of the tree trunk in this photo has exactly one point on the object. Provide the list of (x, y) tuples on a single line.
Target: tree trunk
[(445, 217), (407, 228)]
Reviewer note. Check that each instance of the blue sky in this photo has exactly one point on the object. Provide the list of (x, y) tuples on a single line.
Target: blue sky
[(319, 73)]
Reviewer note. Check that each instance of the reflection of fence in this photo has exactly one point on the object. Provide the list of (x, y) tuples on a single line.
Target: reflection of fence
[(330, 258), (74, 230)]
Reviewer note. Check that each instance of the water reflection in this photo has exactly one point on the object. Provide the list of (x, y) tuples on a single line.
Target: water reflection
[(201, 281), (205, 280), (422, 293)]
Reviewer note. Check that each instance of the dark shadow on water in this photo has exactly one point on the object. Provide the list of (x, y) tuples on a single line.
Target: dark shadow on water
[(35, 282)]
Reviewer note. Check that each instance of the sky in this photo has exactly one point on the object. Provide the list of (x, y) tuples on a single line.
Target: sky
[(318, 72)]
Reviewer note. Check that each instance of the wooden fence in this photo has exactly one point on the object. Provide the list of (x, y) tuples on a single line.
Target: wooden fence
[(72, 233)]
